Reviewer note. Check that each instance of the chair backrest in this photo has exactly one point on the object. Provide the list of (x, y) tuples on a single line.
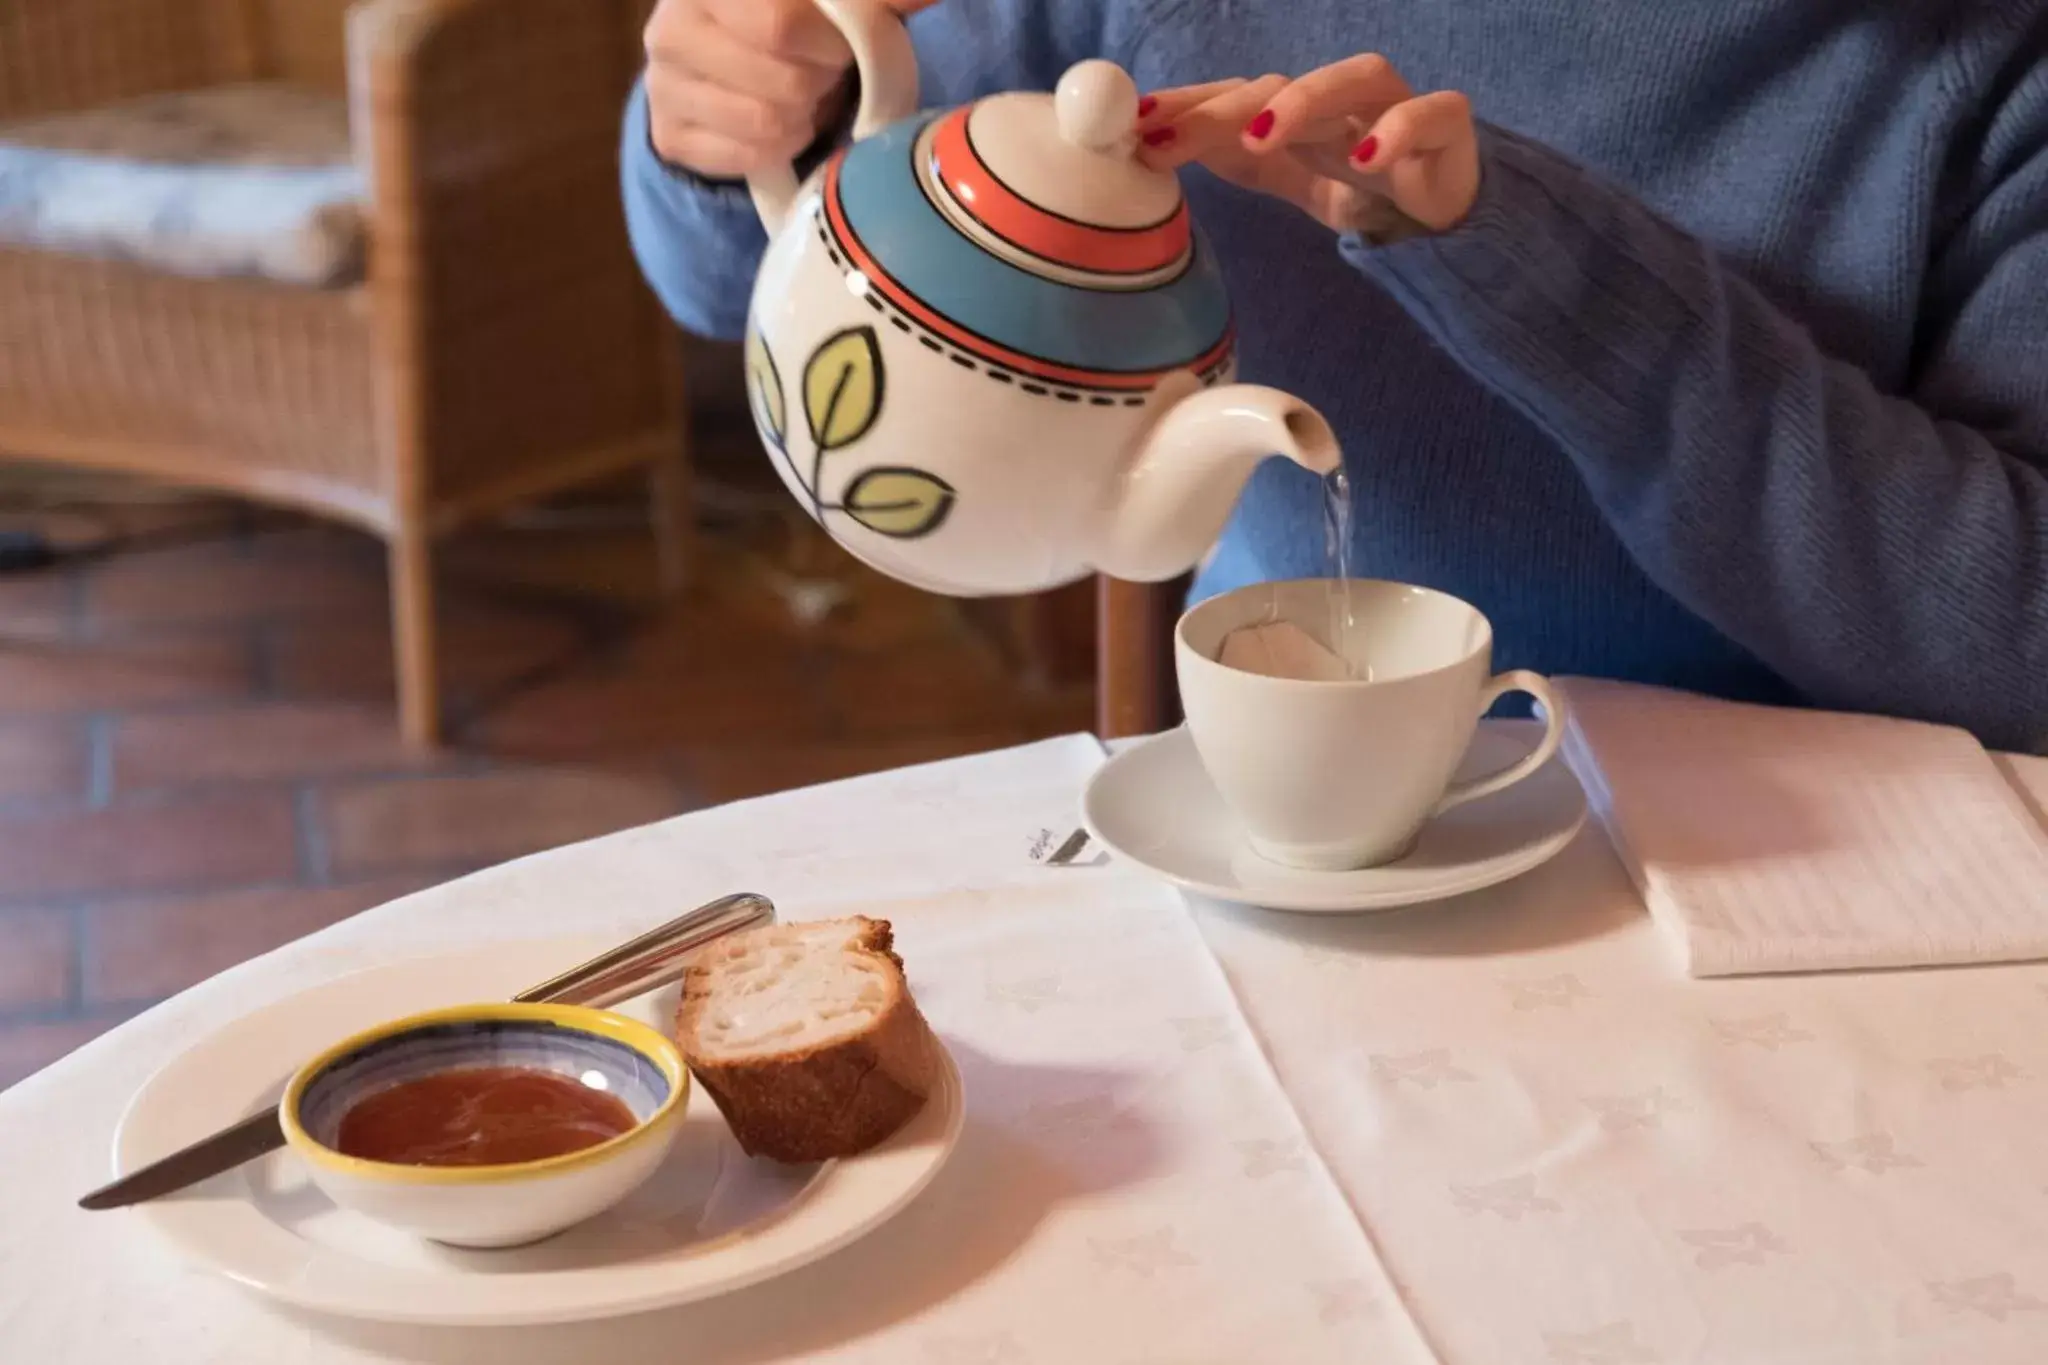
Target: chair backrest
[(304, 41), (61, 55)]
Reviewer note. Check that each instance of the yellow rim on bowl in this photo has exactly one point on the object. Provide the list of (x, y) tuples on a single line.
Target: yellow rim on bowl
[(649, 1043)]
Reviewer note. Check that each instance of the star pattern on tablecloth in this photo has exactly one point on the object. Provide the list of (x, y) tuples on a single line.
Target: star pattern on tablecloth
[(1873, 1153), (1427, 1070), (1030, 995), (1559, 992), (1767, 1031), (1997, 1297), (994, 1348), (1510, 1198), (1719, 1248), (1989, 1072), (1645, 1109), (1144, 1255), (1199, 1035), (1082, 1120), (1341, 1300), (1613, 1344), (1269, 1156)]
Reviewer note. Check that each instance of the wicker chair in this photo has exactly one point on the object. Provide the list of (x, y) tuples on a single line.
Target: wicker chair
[(499, 344)]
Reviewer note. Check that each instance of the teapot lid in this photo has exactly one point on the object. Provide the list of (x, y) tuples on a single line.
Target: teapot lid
[(1021, 237), (1053, 182)]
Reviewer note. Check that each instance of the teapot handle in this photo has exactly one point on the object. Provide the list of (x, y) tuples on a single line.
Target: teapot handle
[(887, 65)]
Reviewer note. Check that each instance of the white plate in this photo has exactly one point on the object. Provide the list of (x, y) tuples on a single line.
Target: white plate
[(1153, 804), (709, 1222)]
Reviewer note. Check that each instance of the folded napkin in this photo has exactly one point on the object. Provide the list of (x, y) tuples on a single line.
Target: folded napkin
[(1768, 840)]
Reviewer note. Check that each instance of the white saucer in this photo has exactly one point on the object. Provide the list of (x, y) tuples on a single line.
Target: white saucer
[(1153, 805), (709, 1221)]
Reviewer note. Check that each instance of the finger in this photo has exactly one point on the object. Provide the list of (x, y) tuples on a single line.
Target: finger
[(1324, 100), (1217, 122), (1287, 178), (1162, 107), (1428, 123), (708, 154), (682, 102), (1280, 176), (795, 30), (701, 48)]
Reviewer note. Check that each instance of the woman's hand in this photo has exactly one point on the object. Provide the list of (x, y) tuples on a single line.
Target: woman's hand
[(1341, 143), (737, 85)]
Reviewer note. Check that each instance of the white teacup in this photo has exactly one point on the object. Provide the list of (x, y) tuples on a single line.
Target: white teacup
[(1340, 775)]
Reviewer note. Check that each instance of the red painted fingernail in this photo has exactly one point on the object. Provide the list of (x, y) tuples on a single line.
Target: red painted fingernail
[(1363, 152), (1261, 125), (1159, 137), (1147, 105)]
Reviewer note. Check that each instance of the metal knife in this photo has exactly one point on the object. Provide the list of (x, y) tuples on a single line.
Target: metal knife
[(646, 963)]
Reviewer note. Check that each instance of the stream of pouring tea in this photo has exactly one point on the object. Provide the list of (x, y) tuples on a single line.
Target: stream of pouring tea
[(1337, 545)]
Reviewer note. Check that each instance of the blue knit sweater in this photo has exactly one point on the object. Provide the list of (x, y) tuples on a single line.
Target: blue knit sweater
[(1735, 379)]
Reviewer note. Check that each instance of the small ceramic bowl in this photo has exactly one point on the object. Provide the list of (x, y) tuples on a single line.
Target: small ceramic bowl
[(490, 1205)]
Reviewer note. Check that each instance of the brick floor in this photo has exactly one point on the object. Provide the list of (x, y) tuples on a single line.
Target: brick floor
[(43, 604), (91, 676), (40, 960), (207, 840), (487, 655), (198, 761), (292, 575), (145, 949), (261, 742), (44, 762)]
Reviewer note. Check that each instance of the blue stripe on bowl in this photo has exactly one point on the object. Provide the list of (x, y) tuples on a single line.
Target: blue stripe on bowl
[(531, 1043), (1128, 332)]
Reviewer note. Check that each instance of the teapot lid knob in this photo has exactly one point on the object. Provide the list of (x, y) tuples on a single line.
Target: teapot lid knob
[(1097, 104)]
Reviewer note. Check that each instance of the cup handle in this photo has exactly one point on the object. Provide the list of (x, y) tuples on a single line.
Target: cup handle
[(887, 65), (1520, 680)]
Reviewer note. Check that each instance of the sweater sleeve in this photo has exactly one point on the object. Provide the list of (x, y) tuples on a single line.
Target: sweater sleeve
[(1883, 552), (698, 241)]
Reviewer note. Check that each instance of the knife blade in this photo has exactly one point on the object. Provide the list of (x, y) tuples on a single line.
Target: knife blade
[(645, 963), (204, 1159)]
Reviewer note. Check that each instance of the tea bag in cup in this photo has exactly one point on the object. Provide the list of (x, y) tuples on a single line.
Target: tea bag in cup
[(1281, 649)]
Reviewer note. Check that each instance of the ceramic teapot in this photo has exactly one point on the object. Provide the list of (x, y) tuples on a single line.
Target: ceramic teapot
[(989, 350)]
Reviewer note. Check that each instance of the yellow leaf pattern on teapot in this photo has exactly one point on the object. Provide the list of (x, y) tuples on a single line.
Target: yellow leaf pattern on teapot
[(843, 388), (894, 501), (764, 386)]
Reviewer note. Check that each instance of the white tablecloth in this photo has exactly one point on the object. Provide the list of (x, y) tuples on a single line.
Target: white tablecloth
[(1500, 1130)]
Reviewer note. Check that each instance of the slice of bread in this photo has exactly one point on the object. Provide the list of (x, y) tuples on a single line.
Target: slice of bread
[(807, 1038)]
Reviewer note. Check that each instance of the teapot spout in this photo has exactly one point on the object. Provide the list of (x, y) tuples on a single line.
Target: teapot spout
[(1193, 462)]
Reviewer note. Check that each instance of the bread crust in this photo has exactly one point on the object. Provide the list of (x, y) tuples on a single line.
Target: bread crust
[(818, 1103)]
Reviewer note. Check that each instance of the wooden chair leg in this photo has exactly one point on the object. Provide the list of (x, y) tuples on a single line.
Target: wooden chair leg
[(671, 489), (412, 639), (1135, 692)]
